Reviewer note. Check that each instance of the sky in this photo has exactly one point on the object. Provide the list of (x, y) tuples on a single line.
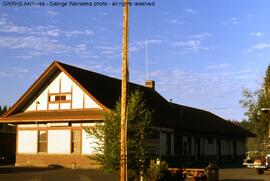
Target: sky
[(199, 53)]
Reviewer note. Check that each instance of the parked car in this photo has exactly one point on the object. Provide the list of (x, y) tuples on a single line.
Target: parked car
[(248, 163), (261, 164)]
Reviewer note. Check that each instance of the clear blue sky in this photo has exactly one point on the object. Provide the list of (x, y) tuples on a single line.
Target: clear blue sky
[(200, 53)]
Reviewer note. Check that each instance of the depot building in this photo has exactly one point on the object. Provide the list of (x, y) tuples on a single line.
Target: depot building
[(51, 116)]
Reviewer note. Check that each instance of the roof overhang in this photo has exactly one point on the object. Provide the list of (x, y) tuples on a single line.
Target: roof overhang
[(55, 116)]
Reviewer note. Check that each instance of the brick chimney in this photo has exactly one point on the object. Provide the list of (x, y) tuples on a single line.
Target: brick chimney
[(150, 84)]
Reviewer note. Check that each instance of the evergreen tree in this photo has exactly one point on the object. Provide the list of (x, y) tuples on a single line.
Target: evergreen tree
[(257, 120), (3, 110), (108, 134), (264, 102)]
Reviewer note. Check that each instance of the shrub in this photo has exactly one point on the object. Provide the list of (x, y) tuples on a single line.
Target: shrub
[(156, 171)]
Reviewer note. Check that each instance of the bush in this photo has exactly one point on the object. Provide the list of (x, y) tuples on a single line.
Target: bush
[(107, 134), (133, 175), (156, 171)]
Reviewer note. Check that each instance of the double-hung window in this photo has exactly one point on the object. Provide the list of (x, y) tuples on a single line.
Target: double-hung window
[(75, 141), (42, 141)]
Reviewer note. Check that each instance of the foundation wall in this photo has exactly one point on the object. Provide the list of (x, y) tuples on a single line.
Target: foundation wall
[(64, 160)]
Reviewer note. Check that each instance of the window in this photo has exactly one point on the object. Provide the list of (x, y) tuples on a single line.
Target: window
[(63, 98), (59, 97), (42, 141), (168, 144), (178, 144), (186, 145), (75, 141)]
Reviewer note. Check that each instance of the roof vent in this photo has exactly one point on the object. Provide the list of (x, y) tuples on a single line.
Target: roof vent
[(150, 84)]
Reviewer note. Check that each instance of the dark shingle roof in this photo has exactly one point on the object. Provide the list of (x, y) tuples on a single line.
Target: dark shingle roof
[(197, 120), (107, 90)]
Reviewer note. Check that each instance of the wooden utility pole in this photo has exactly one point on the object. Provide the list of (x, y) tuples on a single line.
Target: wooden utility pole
[(123, 158)]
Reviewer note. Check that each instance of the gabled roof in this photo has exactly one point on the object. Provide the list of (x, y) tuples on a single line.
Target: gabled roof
[(103, 89), (54, 69), (106, 91), (197, 120), (45, 77)]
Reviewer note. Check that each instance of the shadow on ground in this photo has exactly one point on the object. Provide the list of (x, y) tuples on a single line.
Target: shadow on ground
[(241, 180), (13, 169)]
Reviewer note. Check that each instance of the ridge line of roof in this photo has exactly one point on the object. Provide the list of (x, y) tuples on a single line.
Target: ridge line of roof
[(103, 75)]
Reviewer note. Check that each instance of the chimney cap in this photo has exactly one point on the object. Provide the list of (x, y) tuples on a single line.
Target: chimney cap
[(150, 84)]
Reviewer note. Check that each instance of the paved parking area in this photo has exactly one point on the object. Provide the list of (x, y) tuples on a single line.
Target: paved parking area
[(242, 174), (55, 174)]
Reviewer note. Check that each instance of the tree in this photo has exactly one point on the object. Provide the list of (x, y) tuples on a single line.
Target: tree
[(3, 110), (258, 121), (108, 134)]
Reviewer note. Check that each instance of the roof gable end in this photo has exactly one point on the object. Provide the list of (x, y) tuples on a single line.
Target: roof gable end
[(51, 72)]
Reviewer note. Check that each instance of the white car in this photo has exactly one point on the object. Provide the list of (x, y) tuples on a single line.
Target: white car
[(248, 163)]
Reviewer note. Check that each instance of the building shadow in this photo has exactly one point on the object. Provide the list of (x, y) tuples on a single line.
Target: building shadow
[(7, 148)]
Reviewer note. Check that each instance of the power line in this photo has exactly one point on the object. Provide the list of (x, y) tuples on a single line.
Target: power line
[(215, 108)]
